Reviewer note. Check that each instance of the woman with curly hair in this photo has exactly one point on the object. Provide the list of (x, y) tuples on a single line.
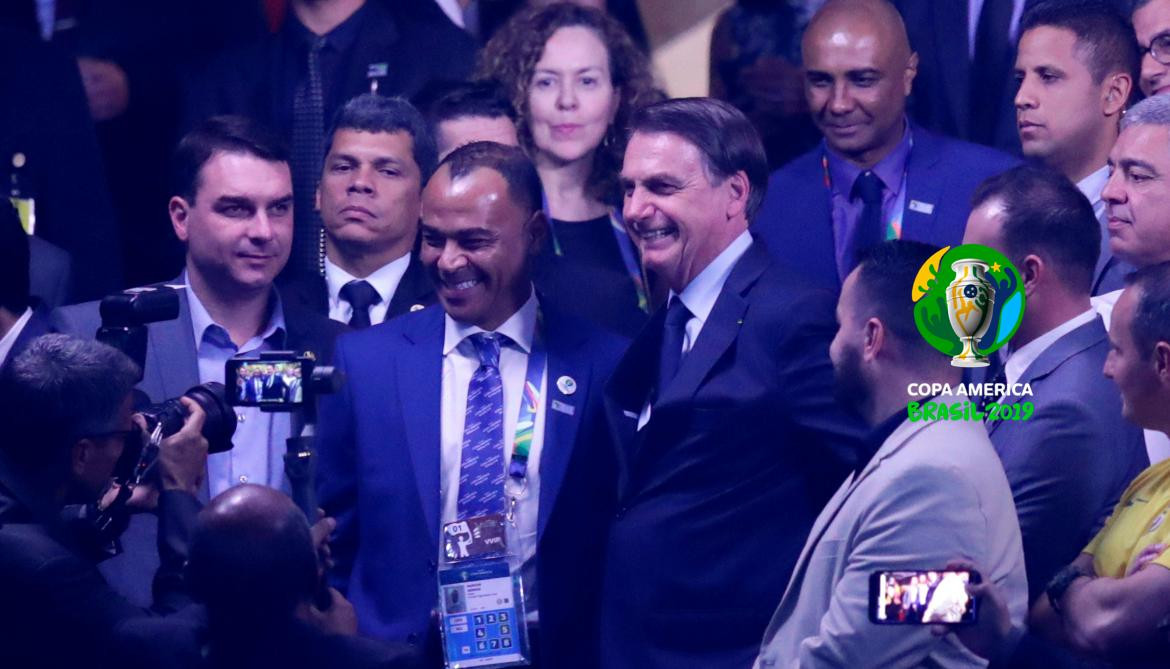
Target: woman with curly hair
[(574, 76)]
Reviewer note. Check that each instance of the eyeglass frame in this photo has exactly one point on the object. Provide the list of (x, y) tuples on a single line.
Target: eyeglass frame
[(1153, 49)]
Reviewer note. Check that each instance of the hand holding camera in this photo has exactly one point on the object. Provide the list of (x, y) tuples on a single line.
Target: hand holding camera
[(182, 457)]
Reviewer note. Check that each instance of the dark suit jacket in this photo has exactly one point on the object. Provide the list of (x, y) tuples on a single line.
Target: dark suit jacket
[(718, 491), (60, 612), (796, 219), (379, 451), (178, 642), (1069, 463), (274, 388), (311, 294), (50, 272), (171, 369)]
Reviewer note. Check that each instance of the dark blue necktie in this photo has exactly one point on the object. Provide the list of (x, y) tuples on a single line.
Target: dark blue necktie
[(481, 466), (871, 226), (361, 296), (673, 333)]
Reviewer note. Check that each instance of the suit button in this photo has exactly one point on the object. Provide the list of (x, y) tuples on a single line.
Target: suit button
[(412, 638), (621, 512), (431, 565)]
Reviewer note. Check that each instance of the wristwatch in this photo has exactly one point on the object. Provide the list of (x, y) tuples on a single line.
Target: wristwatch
[(1059, 584)]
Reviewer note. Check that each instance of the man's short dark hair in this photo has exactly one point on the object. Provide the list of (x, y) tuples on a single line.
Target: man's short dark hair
[(1105, 40), (726, 138), (1045, 214), (221, 134), (885, 284), (1151, 317), (14, 261), (376, 113), (510, 161), (60, 389), (470, 99)]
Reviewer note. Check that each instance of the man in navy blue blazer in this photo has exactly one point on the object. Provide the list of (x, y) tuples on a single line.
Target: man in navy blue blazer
[(729, 437), (391, 443), (876, 176)]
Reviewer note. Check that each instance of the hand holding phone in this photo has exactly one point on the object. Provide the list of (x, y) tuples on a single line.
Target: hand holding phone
[(923, 597)]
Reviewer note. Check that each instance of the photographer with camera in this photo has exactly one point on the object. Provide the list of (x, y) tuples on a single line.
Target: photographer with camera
[(66, 407)]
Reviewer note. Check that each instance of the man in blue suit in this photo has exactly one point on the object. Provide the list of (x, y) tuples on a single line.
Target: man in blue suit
[(729, 438), (1070, 461), (395, 466), (876, 176)]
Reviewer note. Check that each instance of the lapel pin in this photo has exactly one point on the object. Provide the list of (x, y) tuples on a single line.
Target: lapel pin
[(921, 207), (567, 385), (417, 307)]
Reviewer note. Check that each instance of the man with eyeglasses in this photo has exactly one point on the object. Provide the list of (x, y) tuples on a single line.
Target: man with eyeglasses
[(1151, 24), (65, 404)]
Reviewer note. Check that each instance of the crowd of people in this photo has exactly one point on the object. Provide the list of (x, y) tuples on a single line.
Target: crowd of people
[(622, 379)]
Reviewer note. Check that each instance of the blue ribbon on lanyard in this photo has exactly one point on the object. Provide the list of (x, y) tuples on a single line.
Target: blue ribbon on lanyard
[(529, 406)]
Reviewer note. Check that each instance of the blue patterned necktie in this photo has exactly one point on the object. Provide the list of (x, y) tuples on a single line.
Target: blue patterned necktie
[(481, 466)]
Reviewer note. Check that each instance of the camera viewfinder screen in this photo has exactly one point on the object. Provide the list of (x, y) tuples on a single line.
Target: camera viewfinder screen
[(922, 597), (267, 382)]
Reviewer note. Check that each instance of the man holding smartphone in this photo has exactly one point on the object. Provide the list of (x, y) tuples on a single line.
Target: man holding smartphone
[(922, 493)]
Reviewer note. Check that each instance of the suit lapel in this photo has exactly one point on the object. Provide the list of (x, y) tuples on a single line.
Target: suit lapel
[(420, 373), (560, 427), (173, 347), (414, 289), (720, 330), (922, 188)]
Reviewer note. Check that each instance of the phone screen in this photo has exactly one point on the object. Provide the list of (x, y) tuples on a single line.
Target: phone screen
[(922, 597), (265, 382)]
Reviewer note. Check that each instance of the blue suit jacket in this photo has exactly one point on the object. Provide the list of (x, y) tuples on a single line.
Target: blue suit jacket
[(380, 470), (719, 489), (796, 219), (171, 369), (1070, 462)]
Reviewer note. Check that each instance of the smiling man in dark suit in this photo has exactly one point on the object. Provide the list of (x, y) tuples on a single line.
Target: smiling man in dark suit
[(876, 176), (380, 154), (396, 462), (729, 438)]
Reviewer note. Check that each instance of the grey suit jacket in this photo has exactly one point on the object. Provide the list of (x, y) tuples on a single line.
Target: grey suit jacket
[(171, 369), (933, 492), (1069, 463)]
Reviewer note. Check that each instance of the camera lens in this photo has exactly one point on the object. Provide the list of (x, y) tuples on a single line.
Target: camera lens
[(218, 426)]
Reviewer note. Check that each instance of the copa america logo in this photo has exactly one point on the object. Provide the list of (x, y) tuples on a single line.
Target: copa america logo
[(968, 302)]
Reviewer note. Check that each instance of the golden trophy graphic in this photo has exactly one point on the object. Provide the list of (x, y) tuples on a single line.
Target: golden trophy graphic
[(970, 306)]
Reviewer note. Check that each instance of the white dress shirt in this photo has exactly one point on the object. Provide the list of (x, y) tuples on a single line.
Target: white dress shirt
[(974, 8), (385, 280), (460, 360), (1019, 361), (700, 295), (1157, 443), (9, 338)]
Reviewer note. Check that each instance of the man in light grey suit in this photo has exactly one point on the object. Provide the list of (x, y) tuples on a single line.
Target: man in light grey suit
[(1071, 460), (923, 493)]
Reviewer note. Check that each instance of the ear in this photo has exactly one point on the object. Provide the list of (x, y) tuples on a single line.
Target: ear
[(1118, 88), (1033, 270), (535, 232), (1161, 358), (740, 188), (79, 457), (911, 73), (180, 211), (875, 340)]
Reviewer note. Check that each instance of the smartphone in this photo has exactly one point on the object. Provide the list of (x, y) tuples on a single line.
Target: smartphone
[(922, 597), (269, 382)]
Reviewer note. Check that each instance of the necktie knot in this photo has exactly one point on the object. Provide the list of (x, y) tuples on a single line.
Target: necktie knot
[(361, 296), (677, 313), (487, 345), (868, 187), (673, 336)]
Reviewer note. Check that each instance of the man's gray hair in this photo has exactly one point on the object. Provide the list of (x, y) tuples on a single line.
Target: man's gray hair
[(1151, 111), (61, 388)]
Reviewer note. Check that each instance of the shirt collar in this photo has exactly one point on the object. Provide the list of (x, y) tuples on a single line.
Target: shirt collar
[(1092, 185), (889, 169), (520, 328), (201, 320), (700, 294), (1019, 361), (340, 38), (385, 279)]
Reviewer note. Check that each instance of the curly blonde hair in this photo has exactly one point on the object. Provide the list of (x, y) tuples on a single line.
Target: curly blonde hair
[(510, 58)]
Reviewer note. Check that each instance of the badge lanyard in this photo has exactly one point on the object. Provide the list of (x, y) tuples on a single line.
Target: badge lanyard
[(625, 248), (894, 222), (529, 406)]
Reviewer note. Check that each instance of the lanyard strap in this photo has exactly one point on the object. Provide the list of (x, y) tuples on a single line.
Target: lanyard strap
[(529, 405), (625, 248), (894, 220)]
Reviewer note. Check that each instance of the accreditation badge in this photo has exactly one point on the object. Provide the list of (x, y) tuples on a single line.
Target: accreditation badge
[(483, 622)]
